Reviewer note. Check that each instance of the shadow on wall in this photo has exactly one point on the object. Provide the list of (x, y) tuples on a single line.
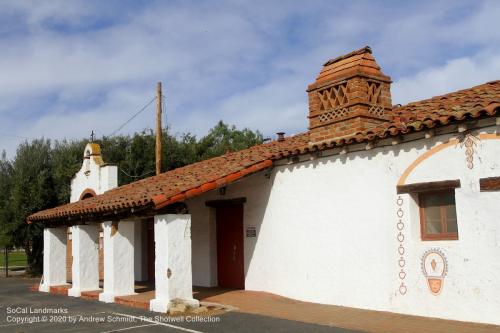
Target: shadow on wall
[(417, 145), (254, 212), (256, 190)]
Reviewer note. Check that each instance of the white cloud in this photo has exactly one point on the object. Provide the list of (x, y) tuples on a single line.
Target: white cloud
[(246, 63), (456, 74)]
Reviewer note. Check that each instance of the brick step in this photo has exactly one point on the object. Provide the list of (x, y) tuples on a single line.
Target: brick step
[(127, 301), (60, 290), (91, 294)]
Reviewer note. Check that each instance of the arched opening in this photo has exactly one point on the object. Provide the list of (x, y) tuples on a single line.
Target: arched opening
[(88, 193)]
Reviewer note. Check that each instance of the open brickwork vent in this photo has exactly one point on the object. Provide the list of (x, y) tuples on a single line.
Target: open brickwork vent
[(350, 95), (374, 92), (333, 96)]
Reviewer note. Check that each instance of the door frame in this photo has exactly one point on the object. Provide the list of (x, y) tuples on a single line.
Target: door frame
[(221, 204)]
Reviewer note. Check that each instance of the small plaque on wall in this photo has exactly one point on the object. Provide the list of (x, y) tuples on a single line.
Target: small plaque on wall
[(251, 232)]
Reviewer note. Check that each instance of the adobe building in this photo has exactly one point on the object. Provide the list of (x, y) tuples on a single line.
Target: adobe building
[(377, 206)]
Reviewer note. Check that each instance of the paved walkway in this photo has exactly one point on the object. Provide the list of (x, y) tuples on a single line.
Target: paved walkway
[(355, 319), (266, 304), (82, 315)]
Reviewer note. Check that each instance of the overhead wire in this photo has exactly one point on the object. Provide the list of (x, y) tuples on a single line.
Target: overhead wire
[(140, 176), (128, 121), (131, 118), (164, 99)]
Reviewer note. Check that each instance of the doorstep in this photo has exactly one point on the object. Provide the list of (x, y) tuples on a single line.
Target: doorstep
[(60, 290), (91, 294), (140, 300)]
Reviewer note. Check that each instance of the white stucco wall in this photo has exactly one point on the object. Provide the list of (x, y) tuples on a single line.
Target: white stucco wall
[(173, 274), (119, 260), (54, 258), (204, 243), (326, 232), (93, 174), (85, 269)]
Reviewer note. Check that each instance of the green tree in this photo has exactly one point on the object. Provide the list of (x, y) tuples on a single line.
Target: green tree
[(65, 162), (5, 200), (139, 159), (223, 138), (40, 175), (32, 191)]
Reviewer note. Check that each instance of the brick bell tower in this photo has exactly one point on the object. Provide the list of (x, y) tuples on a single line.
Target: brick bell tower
[(350, 95)]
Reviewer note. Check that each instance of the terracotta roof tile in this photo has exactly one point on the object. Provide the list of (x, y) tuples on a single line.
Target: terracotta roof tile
[(354, 63), (475, 102), (182, 183), (179, 184)]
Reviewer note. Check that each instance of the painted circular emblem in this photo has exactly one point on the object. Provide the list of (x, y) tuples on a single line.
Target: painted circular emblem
[(434, 268)]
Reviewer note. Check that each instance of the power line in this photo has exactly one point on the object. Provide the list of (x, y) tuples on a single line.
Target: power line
[(131, 118), (164, 99), (140, 176)]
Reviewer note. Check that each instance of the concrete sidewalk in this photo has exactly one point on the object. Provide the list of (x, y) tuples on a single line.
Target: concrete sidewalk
[(266, 304)]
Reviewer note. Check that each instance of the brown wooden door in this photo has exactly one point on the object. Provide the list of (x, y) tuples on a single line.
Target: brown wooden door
[(230, 269), (151, 251)]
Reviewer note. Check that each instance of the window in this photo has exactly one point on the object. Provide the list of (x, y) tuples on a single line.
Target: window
[(438, 215)]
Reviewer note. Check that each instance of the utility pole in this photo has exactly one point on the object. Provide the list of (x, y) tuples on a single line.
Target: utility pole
[(158, 128)]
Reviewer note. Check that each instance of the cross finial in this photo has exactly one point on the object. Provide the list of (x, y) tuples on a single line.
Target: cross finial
[(92, 136)]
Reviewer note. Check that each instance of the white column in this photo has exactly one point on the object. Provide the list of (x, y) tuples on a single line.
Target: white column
[(85, 269), (54, 258), (118, 260), (173, 274)]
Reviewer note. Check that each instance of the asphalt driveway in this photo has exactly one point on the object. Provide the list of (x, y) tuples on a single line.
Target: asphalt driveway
[(22, 310)]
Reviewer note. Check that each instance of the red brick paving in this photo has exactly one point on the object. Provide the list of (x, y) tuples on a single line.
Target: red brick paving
[(266, 304), (92, 294), (271, 305), (140, 300), (60, 290)]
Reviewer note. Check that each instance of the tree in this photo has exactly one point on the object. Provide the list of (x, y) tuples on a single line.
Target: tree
[(223, 138), (40, 175), (5, 199), (32, 191), (66, 160)]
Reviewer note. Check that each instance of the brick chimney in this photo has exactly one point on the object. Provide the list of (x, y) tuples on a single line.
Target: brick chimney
[(351, 94)]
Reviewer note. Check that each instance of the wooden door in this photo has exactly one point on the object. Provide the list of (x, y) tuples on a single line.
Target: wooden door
[(230, 261), (151, 250)]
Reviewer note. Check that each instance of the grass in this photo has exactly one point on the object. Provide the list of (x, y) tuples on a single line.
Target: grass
[(16, 258)]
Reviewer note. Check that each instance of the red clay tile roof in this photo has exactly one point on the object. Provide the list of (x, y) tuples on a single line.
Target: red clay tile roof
[(479, 101), (354, 63), (179, 184)]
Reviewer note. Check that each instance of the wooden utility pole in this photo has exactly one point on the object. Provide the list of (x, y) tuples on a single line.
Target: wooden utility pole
[(158, 128)]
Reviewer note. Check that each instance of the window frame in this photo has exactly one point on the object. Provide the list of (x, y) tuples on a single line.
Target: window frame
[(444, 226)]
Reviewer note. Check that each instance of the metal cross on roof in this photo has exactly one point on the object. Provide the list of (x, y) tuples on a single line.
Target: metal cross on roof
[(92, 136)]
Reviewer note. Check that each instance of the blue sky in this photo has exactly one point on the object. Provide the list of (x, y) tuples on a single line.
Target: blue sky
[(69, 67)]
